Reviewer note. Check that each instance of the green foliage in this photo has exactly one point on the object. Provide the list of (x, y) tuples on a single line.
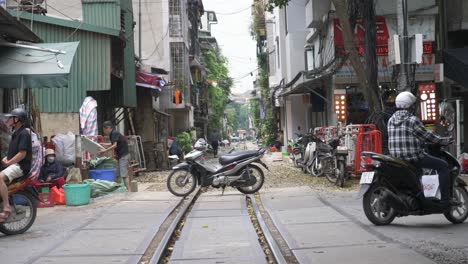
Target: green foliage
[(217, 103), (219, 94), (238, 116), (184, 142), (276, 3), (255, 112)]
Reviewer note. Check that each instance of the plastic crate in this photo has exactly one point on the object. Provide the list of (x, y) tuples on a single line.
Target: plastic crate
[(102, 174), (46, 198)]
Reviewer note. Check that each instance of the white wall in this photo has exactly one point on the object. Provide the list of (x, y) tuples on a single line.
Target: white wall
[(280, 33), (296, 16), (154, 32), (295, 116), (295, 60), (388, 7), (60, 123)]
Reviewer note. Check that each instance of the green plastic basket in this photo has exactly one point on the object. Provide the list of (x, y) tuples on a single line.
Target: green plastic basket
[(77, 194)]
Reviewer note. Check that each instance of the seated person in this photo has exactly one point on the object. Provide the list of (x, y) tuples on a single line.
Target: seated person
[(279, 140), (52, 171)]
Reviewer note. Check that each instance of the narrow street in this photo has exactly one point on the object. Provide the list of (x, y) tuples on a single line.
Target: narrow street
[(309, 219)]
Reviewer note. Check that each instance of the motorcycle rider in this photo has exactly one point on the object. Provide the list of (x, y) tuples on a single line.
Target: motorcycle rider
[(406, 136), (18, 161)]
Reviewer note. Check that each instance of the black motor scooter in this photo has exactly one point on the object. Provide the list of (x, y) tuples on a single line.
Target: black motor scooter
[(394, 189)]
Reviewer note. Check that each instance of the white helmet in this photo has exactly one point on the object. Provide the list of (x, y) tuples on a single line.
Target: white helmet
[(200, 144), (405, 100)]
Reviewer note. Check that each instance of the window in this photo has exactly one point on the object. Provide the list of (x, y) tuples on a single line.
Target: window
[(309, 55), (277, 53), (286, 19)]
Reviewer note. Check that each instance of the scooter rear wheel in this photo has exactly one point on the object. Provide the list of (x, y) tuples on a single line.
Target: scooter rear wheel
[(25, 204), (458, 214), (254, 171), (376, 209)]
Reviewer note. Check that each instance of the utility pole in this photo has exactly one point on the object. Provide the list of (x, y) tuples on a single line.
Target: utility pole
[(370, 51), (139, 34), (402, 21)]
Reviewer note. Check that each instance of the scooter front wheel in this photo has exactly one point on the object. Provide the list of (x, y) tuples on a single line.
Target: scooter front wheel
[(341, 167), (181, 182), (316, 169), (458, 214)]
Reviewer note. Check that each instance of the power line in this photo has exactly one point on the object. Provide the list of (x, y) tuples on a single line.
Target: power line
[(233, 13)]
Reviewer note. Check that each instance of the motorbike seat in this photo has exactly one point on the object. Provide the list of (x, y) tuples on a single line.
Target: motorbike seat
[(393, 161), (229, 158)]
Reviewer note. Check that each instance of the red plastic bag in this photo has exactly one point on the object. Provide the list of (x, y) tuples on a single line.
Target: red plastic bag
[(58, 195)]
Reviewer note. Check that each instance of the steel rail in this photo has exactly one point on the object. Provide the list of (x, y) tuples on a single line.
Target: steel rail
[(158, 254), (266, 232)]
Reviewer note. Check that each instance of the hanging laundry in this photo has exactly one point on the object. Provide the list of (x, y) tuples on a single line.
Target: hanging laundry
[(88, 117), (177, 97)]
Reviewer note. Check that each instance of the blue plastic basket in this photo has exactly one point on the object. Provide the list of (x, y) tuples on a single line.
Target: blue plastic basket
[(106, 175)]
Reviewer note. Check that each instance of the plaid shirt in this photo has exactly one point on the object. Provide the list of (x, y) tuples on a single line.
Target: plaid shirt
[(406, 136)]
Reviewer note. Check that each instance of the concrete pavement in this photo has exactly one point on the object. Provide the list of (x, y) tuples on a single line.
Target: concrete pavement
[(114, 229), (318, 233), (218, 230)]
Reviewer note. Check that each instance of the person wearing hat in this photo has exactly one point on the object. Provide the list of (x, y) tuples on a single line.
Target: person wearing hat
[(17, 163), (406, 138), (52, 171)]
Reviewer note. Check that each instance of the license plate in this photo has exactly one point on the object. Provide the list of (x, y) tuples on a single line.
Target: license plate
[(367, 177)]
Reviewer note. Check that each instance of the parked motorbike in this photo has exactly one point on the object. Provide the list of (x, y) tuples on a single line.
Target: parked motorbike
[(329, 159), (23, 199), (237, 170), (298, 149), (393, 189)]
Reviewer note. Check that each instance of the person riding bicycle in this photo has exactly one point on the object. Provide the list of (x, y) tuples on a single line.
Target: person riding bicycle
[(406, 138), (18, 161)]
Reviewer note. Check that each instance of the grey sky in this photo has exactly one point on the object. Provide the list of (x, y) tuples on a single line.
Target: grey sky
[(233, 35)]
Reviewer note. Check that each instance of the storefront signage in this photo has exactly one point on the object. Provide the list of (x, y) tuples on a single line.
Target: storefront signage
[(386, 27), (424, 71), (428, 102)]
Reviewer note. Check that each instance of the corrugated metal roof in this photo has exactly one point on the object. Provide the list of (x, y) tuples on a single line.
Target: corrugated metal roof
[(81, 25), (91, 68), (102, 13), (13, 30)]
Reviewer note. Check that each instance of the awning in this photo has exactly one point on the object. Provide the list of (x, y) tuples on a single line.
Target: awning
[(32, 68), (456, 65), (307, 86), (149, 80)]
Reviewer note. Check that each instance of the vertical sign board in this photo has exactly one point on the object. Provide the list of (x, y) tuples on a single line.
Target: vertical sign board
[(339, 105), (428, 102)]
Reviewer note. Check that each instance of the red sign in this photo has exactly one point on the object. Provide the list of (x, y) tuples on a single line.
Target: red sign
[(427, 47), (382, 36)]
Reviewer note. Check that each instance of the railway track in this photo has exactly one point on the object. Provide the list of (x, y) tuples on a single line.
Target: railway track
[(164, 242)]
